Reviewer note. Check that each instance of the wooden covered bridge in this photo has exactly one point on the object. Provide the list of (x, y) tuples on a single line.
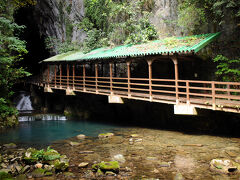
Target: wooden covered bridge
[(109, 71)]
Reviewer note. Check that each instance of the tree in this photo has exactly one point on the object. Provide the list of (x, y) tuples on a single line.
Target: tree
[(11, 51)]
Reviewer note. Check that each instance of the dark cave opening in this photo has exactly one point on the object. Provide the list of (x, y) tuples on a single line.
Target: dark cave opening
[(34, 40)]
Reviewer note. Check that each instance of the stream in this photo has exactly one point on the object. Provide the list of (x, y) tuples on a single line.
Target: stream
[(145, 152)]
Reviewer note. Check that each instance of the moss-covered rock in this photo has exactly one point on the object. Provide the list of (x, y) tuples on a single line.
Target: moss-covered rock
[(39, 172), (52, 155), (10, 146), (5, 175), (59, 165), (112, 166)]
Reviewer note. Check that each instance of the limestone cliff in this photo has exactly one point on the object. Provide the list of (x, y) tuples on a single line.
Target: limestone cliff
[(59, 19)]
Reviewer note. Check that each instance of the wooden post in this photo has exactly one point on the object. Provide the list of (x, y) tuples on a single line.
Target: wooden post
[(48, 74), (175, 61), (55, 75), (228, 92), (73, 85), (213, 96), (110, 74), (60, 76), (187, 91), (84, 78), (128, 77), (115, 69), (96, 77), (67, 76), (150, 78)]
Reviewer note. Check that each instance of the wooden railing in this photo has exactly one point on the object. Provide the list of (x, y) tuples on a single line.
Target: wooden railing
[(203, 94)]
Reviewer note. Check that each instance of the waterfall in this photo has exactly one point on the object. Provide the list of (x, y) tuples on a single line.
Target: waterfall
[(24, 103), (42, 117)]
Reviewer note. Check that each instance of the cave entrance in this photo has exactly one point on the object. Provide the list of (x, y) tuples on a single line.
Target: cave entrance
[(34, 40)]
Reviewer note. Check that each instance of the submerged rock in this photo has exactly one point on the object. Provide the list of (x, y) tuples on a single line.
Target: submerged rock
[(81, 136), (83, 164), (37, 173), (5, 175), (105, 135), (10, 146), (38, 165), (107, 166), (119, 157), (224, 166), (74, 143)]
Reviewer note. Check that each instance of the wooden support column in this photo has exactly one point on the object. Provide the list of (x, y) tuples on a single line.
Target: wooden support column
[(175, 61), (187, 91), (55, 75), (48, 75), (128, 77), (60, 76), (73, 69), (67, 76), (96, 77), (213, 96), (150, 78), (84, 78), (110, 74)]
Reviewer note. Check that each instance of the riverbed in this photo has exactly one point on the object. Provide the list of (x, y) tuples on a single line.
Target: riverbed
[(143, 153)]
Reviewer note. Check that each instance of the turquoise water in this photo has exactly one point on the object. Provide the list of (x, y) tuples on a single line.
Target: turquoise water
[(45, 131)]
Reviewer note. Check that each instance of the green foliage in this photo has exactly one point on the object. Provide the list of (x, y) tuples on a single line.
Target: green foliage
[(110, 23), (53, 44), (227, 69), (194, 14), (11, 51)]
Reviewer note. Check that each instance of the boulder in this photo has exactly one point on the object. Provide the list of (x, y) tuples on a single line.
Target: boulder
[(224, 166)]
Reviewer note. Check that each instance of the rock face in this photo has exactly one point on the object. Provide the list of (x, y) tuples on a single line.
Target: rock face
[(164, 17), (59, 19)]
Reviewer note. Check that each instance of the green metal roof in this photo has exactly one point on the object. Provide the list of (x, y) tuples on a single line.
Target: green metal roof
[(179, 45)]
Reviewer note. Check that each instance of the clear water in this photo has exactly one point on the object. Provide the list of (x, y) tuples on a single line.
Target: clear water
[(40, 133)]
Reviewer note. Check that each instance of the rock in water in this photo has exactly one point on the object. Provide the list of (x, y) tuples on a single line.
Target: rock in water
[(224, 166), (39, 165), (10, 146), (74, 143), (119, 157), (105, 135), (81, 136), (107, 166), (83, 164)]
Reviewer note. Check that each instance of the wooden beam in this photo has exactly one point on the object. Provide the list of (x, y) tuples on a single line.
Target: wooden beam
[(67, 76), (60, 76), (55, 75)]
